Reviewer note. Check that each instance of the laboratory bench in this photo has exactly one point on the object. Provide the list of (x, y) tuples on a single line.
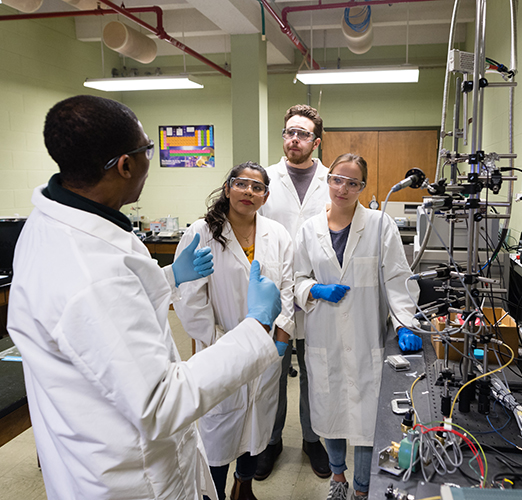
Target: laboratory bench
[(162, 249), (14, 412), (4, 299), (427, 400)]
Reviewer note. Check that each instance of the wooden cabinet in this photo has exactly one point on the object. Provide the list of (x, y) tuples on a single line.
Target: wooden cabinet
[(389, 154)]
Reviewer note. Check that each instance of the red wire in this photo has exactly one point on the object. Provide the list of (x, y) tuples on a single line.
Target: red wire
[(466, 440)]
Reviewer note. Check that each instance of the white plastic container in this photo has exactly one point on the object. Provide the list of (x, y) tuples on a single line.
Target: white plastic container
[(359, 42), (24, 5), (129, 42)]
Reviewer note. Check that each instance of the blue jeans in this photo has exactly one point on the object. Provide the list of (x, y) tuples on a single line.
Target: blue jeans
[(245, 469), (362, 462), (304, 403)]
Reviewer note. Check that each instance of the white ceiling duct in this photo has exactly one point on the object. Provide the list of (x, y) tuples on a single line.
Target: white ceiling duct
[(24, 5), (86, 4), (129, 42), (358, 29)]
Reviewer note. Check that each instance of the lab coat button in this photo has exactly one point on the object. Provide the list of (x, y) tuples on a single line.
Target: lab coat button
[(349, 349)]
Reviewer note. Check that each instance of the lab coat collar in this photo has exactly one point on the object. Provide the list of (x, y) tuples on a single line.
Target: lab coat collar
[(325, 240), (261, 240), (323, 233), (358, 222), (286, 180), (56, 192), (95, 225)]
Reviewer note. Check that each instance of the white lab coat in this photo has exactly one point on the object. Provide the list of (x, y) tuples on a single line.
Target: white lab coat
[(213, 306), (111, 403), (345, 341), (284, 206)]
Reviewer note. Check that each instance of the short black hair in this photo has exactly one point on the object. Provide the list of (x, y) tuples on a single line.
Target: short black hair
[(84, 132)]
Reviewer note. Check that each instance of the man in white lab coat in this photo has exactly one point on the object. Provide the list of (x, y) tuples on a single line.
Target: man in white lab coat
[(111, 403), (298, 191)]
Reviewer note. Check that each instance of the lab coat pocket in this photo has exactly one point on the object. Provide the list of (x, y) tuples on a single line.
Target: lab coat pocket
[(377, 363), (365, 272), (273, 270), (317, 364)]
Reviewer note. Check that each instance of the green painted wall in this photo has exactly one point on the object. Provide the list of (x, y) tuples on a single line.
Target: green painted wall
[(182, 192), (358, 106), (41, 63), (496, 105)]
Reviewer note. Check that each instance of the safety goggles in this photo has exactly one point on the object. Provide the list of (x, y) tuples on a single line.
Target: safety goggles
[(241, 184), (351, 185), (300, 133), (149, 153)]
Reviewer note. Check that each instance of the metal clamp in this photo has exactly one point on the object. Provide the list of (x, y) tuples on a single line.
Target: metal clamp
[(395, 403)]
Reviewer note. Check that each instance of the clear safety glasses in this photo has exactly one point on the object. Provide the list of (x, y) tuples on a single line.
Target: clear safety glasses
[(340, 181), (241, 184), (149, 153), (300, 133)]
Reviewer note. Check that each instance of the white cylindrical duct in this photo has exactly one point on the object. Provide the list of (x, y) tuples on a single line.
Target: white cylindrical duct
[(87, 4), (361, 41), (24, 5), (129, 42)]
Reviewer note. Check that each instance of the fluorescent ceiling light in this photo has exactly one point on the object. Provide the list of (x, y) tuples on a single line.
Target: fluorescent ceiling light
[(142, 83), (384, 74)]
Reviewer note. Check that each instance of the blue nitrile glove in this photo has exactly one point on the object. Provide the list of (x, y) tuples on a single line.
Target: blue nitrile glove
[(408, 341), (331, 293), (281, 347), (193, 264), (264, 299)]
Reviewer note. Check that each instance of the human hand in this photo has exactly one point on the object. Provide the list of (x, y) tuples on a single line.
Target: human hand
[(264, 298), (281, 347), (193, 264), (331, 293), (408, 341)]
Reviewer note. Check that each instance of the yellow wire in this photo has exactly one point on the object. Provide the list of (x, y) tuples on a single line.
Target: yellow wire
[(411, 397), (482, 376), (431, 498), (478, 444)]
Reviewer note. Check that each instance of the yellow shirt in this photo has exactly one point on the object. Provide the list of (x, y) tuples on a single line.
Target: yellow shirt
[(249, 252)]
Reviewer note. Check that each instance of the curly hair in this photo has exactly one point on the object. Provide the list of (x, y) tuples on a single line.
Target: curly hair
[(218, 204)]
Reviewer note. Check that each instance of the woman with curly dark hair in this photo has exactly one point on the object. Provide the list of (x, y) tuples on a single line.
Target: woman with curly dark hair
[(240, 427)]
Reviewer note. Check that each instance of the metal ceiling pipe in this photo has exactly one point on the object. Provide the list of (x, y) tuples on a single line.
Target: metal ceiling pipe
[(162, 35), (127, 12), (285, 28), (84, 4), (342, 5)]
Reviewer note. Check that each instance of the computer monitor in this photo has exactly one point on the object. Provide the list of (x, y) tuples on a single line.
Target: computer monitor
[(9, 232)]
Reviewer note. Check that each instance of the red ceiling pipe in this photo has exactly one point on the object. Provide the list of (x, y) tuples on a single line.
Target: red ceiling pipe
[(343, 5), (79, 13), (162, 35), (127, 12), (285, 28)]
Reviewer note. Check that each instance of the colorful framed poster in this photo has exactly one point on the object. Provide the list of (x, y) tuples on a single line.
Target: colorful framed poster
[(187, 146)]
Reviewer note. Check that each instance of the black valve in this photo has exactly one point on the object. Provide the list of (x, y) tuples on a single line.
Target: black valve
[(467, 86), (495, 181)]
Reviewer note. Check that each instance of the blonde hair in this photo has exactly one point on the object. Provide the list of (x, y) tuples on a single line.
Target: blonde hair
[(352, 158)]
